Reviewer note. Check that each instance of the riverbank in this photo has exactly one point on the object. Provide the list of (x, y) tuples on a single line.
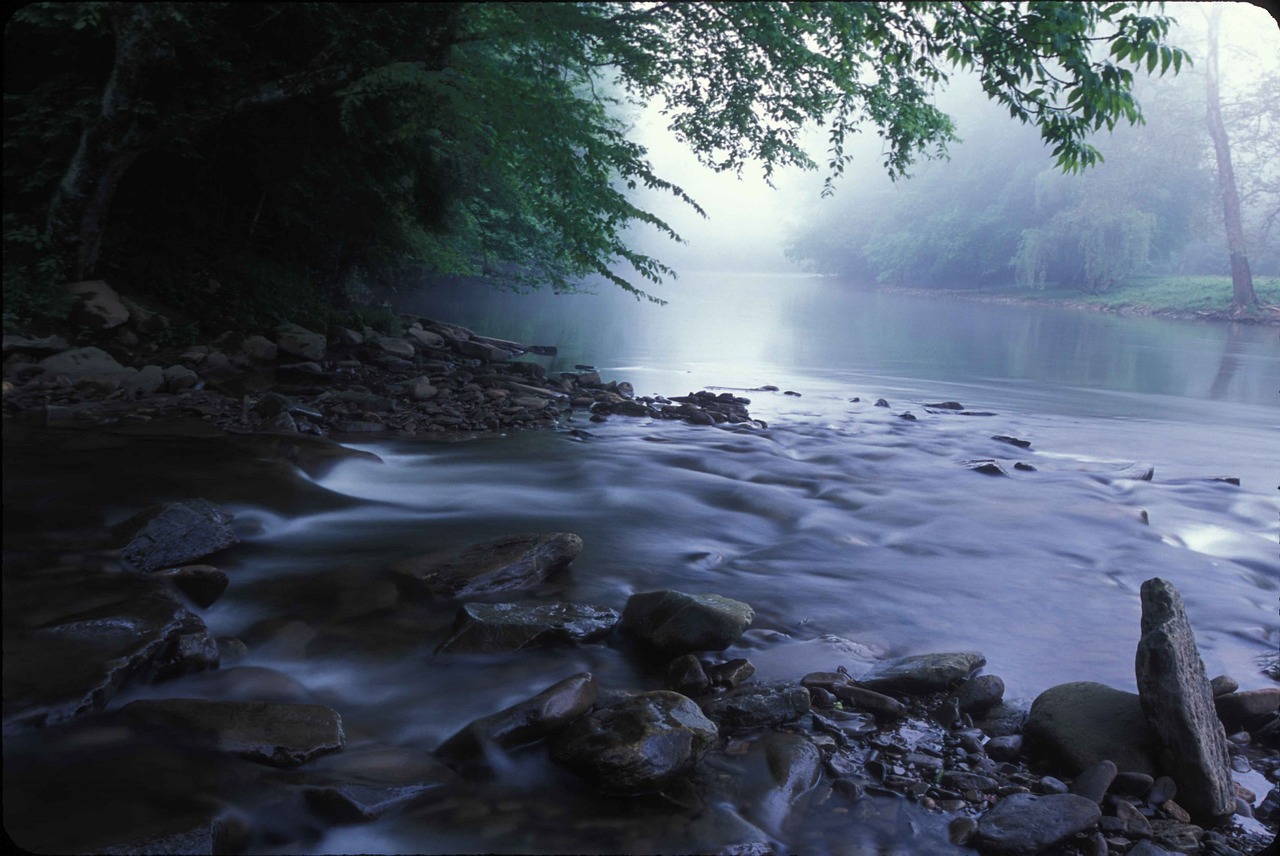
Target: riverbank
[(1186, 299)]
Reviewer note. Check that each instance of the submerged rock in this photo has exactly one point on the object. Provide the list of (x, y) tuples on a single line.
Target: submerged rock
[(178, 533), (1025, 824), (638, 744), (503, 564), (283, 735), (922, 673), (1178, 704), (1082, 723), (763, 782), (491, 627), (527, 721), (676, 623)]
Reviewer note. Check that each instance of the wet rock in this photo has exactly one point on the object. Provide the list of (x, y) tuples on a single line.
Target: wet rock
[(638, 744), (1179, 705), (961, 830), (1025, 824), (1007, 748), (730, 673), (97, 304), (1149, 848), (1094, 782), (503, 564), (675, 623), (768, 778), (986, 467), (191, 836), (491, 627), (1223, 684), (1006, 718), (686, 676), (425, 338), (1127, 821), (72, 657), (864, 699), (1177, 835), (1132, 783), (979, 694), (757, 706), (946, 405), (922, 673), (1237, 708), (533, 719), (178, 533), (1082, 723), (204, 584), (1012, 441), (35, 347), (284, 735), (300, 342), (396, 347), (880, 402), (364, 784)]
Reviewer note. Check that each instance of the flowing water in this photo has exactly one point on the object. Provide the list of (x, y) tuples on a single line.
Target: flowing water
[(840, 518)]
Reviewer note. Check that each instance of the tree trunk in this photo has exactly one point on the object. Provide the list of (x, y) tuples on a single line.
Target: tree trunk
[(109, 144), (1242, 296)]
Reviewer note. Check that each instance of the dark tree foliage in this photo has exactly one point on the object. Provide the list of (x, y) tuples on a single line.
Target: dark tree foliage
[(335, 144)]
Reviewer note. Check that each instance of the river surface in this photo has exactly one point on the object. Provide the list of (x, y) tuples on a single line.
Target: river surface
[(840, 518)]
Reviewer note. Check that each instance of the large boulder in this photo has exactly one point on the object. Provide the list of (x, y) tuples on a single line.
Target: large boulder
[(1025, 824), (922, 673), (300, 342), (73, 640), (1081, 723), (492, 627), (97, 304), (676, 623), (757, 706), (527, 721), (283, 735), (637, 745), (82, 362), (504, 564), (174, 534), (1178, 704)]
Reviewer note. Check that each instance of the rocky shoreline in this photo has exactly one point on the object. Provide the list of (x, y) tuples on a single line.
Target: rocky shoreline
[(428, 379)]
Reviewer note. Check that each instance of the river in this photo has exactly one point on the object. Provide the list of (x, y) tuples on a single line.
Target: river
[(840, 518)]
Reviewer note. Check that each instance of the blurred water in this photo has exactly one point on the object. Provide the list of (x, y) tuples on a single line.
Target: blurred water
[(838, 518)]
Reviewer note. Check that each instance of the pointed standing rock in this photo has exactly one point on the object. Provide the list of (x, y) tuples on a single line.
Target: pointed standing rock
[(1178, 703)]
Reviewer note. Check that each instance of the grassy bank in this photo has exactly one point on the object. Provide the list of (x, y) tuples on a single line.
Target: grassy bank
[(1193, 294)]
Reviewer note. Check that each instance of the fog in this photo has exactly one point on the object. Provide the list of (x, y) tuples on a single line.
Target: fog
[(749, 223)]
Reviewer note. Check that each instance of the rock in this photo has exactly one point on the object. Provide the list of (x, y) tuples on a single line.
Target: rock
[(767, 779), (1177, 835), (422, 390), (260, 349), (1178, 703), (490, 627), (1132, 783), (880, 402), (300, 342), (730, 673), (533, 719), (1149, 848), (962, 780), (1012, 441), (73, 640), (945, 405), (401, 348), (36, 347), (686, 676), (870, 700), (146, 381), (1082, 723), (986, 467), (1094, 782), (1007, 748), (503, 564), (182, 836), (178, 378), (757, 706), (97, 304), (1025, 824), (178, 533), (83, 362), (283, 735), (922, 673), (1223, 684), (362, 784), (1127, 821), (979, 694), (961, 830), (204, 584), (676, 623), (638, 744), (1237, 708), (425, 338), (481, 351), (1006, 718)]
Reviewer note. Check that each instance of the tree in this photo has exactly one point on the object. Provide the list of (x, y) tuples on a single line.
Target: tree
[(1242, 296), (358, 139)]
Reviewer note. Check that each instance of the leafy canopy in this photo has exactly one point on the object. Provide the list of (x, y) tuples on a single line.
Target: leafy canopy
[(357, 140)]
